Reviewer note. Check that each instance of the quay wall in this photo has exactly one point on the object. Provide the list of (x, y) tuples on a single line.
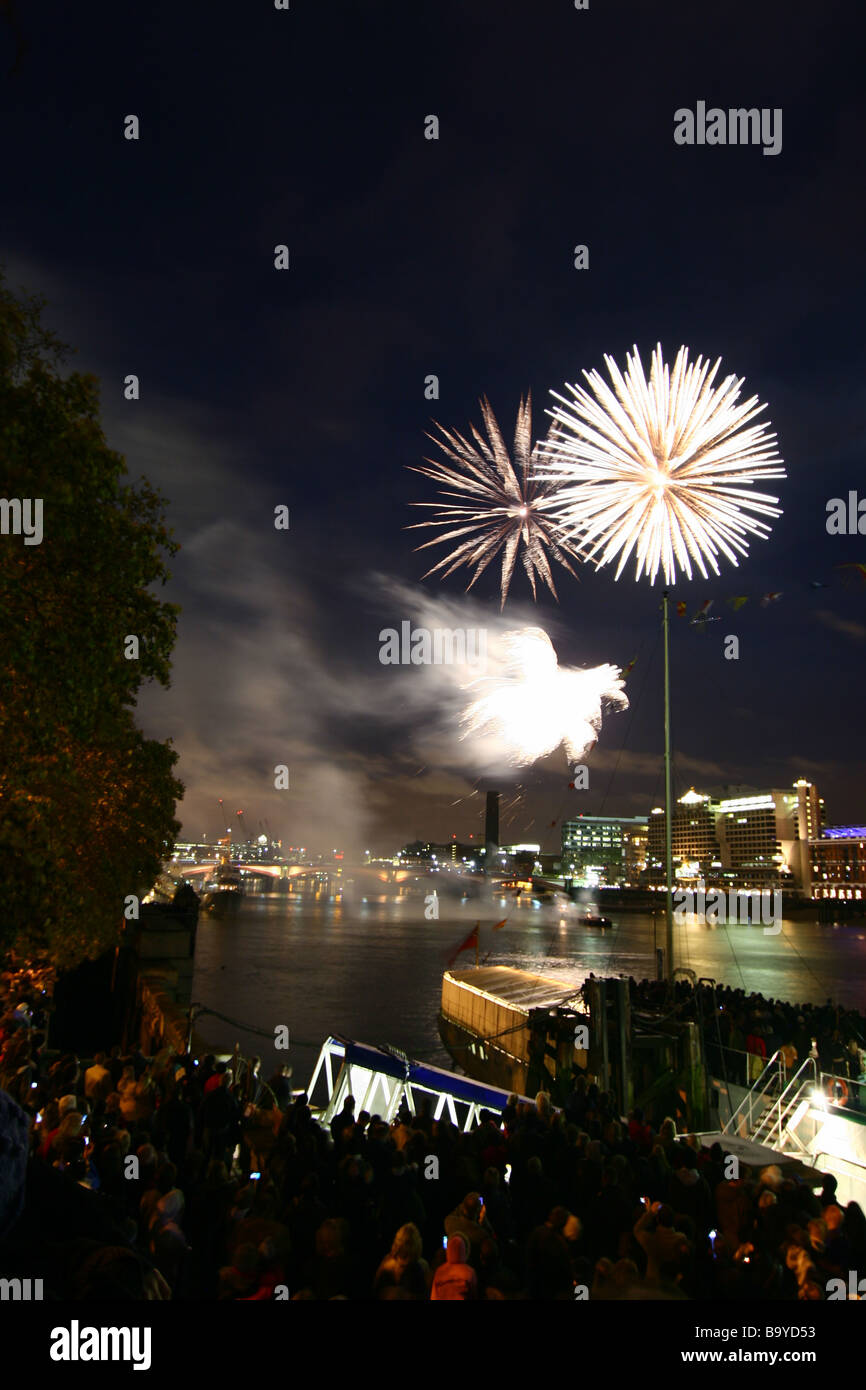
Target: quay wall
[(163, 994)]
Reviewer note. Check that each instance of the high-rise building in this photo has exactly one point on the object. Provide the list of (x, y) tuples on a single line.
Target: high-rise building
[(604, 850), (695, 847), (764, 835), (740, 837)]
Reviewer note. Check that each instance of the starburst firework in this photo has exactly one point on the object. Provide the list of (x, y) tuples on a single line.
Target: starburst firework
[(497, 504), (663, 468)]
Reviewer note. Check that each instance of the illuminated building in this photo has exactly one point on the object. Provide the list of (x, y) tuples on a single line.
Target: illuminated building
[(740, 837), (604, 850), (764, 835), (838, 862), (695, 846)]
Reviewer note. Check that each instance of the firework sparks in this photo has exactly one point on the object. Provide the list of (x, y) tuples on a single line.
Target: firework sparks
[(497, 505), (532, 705), (661, 468)]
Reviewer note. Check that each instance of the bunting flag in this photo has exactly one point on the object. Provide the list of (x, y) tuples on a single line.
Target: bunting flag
[(470, 944), (497, 926), (852, 575), (629, 667)]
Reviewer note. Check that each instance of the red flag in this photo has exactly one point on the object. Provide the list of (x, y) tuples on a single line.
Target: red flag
[(470, 944), (497, 925), (681, 608)]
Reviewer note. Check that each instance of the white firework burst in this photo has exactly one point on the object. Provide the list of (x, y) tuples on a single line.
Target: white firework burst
[(662, 468), (497, 505), (529, 705)]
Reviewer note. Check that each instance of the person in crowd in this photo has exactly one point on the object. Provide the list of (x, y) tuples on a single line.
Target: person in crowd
[(455, 1281), (97, 1081), (403, 1266)]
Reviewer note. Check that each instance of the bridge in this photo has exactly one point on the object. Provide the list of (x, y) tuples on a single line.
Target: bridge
[(381, 1079)]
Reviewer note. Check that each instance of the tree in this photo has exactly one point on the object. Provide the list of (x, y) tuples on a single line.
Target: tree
[(86, 802)]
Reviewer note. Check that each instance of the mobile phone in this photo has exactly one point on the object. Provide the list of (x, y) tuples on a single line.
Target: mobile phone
[(254, 1177), (444, 1242)]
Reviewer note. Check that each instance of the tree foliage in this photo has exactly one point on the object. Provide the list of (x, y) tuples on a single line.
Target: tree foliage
[(86, 801)]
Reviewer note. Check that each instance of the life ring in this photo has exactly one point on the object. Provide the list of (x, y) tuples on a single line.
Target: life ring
[(830, 1090)]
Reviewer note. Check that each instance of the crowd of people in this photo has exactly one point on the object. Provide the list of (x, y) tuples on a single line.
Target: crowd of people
[(174, 1176), (742, 1031)]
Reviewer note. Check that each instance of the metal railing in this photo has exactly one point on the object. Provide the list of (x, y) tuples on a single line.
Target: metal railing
[(768, 1093), (770, 1126), (729, 1064)]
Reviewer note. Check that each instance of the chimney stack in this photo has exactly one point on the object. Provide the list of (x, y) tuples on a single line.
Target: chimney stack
[(491, 826)]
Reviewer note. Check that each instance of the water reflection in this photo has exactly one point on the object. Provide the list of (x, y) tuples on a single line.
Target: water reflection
[(369, 966)]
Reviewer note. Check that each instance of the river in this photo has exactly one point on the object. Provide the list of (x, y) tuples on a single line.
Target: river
[(371, 969)]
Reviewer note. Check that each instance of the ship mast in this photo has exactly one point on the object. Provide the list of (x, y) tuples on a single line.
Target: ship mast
[(669, 885)]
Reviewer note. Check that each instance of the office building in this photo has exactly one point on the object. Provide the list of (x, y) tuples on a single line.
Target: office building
[(838, 862), (604, 850)]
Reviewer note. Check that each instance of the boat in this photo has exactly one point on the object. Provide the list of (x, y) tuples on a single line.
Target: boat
[(527, 1033), (486, 1022), (222, 894), (592, 919)]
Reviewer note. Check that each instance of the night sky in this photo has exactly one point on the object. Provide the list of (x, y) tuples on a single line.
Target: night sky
[(409, 257)]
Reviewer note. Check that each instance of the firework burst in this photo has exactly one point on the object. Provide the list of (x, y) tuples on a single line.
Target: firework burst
[(662, 468), (530, 705), (496, 505)]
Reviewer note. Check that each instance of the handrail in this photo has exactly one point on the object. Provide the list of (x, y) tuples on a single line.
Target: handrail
[(795, 1086), (749, 1097), (728, 1056), (837, 1158), (759, 1089)]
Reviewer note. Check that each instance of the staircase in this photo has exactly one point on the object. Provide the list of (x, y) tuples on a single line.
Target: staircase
[(773, 1108), (811, 1116)]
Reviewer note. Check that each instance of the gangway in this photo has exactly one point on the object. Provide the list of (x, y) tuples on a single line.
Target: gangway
[(381, 1078), (812, 1116)]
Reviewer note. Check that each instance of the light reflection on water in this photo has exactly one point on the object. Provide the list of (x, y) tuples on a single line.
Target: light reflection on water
[(372, 970)]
